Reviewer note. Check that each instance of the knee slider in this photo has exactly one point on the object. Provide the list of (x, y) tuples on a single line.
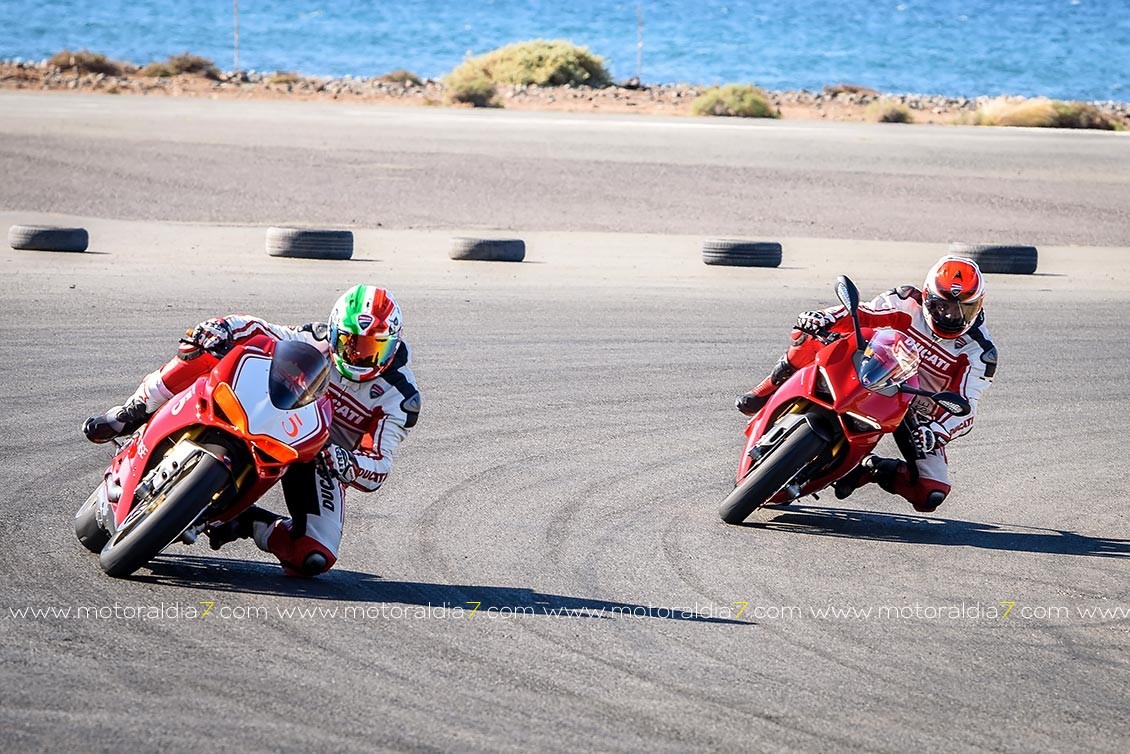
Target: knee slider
[(933, 499), (314, 563)]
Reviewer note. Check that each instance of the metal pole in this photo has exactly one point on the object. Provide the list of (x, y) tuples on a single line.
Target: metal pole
[(235, 65), (639, 42)]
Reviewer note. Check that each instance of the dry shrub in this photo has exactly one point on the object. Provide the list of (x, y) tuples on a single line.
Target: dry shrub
[(538, 62), (401, 76), (736, 101), (1041, 112), (284, 77), (889, 112), (183, 63), (469, 85), (85, 61), (832, 91)]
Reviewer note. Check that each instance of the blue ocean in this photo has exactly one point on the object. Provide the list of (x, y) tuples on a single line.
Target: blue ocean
[(1076, 49)]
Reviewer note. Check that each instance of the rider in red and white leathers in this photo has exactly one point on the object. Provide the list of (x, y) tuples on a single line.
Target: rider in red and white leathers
[(957, 356), (371, 419)]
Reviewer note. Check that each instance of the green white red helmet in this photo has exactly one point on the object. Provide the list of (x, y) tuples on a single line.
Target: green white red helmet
[(364, 332)]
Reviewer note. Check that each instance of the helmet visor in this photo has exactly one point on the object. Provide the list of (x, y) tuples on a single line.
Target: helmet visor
[(364, 351), (948, 316)]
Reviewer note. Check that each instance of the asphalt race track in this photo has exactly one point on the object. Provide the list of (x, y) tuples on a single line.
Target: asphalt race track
[(257, 162), (576, 438)]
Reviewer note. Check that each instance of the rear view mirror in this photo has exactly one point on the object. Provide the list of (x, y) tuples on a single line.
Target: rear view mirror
[(847, 293), (953, 403), (849, 297)]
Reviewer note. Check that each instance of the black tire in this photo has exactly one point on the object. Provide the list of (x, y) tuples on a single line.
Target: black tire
[(741, 253), (47, 238), (305, 243), (87, 528), (130, 549), (771, 474), (1010, 260), (488, 249)]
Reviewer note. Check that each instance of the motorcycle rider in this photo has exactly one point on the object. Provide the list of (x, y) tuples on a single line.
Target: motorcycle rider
[(946, 322), (375, 402)]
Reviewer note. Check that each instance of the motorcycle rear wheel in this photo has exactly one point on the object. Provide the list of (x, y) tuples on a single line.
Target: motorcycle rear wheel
[(772, 472), (131, 548)]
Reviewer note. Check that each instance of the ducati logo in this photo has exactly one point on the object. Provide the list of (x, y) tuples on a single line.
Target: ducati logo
[(364, 321), (955, 290), (376, 391)]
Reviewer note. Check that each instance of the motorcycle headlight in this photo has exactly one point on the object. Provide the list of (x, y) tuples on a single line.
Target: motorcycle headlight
[(860, 423)]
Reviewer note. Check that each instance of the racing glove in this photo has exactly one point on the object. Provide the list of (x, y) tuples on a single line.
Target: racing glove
[(815, 323), (338, 463), (213, 336), (930, 437)]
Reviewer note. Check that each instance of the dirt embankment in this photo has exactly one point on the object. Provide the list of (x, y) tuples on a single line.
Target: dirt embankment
[(839, 103)]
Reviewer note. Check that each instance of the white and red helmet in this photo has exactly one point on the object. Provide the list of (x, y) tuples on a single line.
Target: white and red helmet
[(364, 332), (953, 296)]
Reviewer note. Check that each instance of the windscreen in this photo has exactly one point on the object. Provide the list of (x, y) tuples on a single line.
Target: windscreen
[(299, 374), (890, 359)]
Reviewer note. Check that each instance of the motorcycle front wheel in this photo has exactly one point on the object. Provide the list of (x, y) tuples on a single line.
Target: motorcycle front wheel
[(141, 538), (771, 473)]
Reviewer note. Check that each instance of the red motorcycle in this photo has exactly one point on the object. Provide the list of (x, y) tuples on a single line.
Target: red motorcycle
[(830, 415), (209, 453)]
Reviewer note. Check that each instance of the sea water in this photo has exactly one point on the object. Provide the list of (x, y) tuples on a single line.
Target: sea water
[(1076, 49)]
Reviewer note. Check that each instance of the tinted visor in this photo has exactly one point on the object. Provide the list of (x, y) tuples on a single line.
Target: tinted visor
[(951, 316), (299, 374), (364, 351)]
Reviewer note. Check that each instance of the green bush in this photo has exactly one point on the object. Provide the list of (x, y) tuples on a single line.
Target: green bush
[(889, 112), (184, 63), (470, 86), (734, 100), (1041, 112), (539, 62), (85, 61), (401, 76)]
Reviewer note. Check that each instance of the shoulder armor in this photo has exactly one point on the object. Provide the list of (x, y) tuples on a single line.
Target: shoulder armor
[(411, 402), (411, 407), (988, 349)]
